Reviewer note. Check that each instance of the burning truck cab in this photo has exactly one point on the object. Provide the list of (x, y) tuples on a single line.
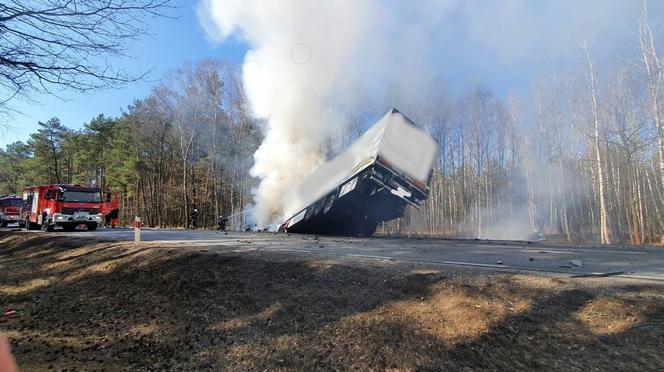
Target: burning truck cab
[(68, 206), (383, 171)]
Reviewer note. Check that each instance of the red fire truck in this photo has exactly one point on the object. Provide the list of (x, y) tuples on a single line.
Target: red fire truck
[(110, 209), (67, 206), (10, 210)]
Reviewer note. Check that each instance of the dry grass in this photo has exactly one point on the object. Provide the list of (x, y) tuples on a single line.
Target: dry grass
[(88, 306)]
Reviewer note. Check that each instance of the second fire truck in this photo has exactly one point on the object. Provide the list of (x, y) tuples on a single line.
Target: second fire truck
[(10, 208), (67, 206)]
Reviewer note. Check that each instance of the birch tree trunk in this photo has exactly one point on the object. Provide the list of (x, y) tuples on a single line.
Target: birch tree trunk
[(605, 237), (654, 73)]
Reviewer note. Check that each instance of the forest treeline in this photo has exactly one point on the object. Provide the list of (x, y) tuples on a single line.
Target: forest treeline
[(581, 159), (189, 144)]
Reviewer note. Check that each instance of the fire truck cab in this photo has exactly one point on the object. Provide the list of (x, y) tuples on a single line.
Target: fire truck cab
[(10, 210), (110, 209), (67, 206)]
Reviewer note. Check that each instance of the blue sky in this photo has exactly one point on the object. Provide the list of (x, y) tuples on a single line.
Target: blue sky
[(171, 43), (503, 45)]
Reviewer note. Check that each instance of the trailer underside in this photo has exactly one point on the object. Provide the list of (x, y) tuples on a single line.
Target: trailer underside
[(356, 207)]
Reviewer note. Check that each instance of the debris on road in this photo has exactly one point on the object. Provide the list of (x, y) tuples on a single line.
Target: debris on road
[(597, 275), (499, 262), (577, 263), (10, 314)]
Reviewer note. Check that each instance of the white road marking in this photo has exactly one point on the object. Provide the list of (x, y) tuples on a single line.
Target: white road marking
[(286, 250), (559, 249), (461, 263), (370, 256), (571, 251)]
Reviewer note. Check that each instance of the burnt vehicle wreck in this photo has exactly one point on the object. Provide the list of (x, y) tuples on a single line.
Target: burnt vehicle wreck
[(383, 171)]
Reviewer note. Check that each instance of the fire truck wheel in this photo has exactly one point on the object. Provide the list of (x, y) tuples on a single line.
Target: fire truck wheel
[(92, 226), (47, 226), (5, 223)]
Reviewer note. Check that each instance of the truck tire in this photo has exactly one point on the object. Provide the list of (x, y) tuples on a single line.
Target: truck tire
[(47, 226), (319, 207), (329, 203), (31, 225), (5, 223), (91, 226)]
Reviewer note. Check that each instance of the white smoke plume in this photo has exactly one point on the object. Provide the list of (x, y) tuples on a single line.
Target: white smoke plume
[(309, 62)]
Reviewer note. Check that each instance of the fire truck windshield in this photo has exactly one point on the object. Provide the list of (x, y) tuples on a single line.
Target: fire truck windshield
[(13, 202), (80, 197)]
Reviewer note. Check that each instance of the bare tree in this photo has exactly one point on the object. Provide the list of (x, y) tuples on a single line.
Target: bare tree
[(605, 237), (46, 44), (654, 77)]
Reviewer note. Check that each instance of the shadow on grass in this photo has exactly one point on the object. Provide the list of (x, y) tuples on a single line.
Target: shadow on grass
[(178, 309)]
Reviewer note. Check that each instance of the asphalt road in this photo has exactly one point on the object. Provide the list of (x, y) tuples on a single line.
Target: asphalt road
[(625, 261)]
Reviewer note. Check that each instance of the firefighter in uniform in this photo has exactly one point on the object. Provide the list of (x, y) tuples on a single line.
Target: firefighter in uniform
[(193, 219), (221, 223)]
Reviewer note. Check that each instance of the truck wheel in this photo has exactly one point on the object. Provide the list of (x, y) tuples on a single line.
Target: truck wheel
[(92, 226), (5, 223), (47, 226), (31, 225), (329, 203), (319, 207)]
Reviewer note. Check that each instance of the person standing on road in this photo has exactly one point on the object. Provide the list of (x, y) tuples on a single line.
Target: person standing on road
[(221, 222), (193, 219)]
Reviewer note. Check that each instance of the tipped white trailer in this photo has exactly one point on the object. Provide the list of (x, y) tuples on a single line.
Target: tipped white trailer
[(372, 181)]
